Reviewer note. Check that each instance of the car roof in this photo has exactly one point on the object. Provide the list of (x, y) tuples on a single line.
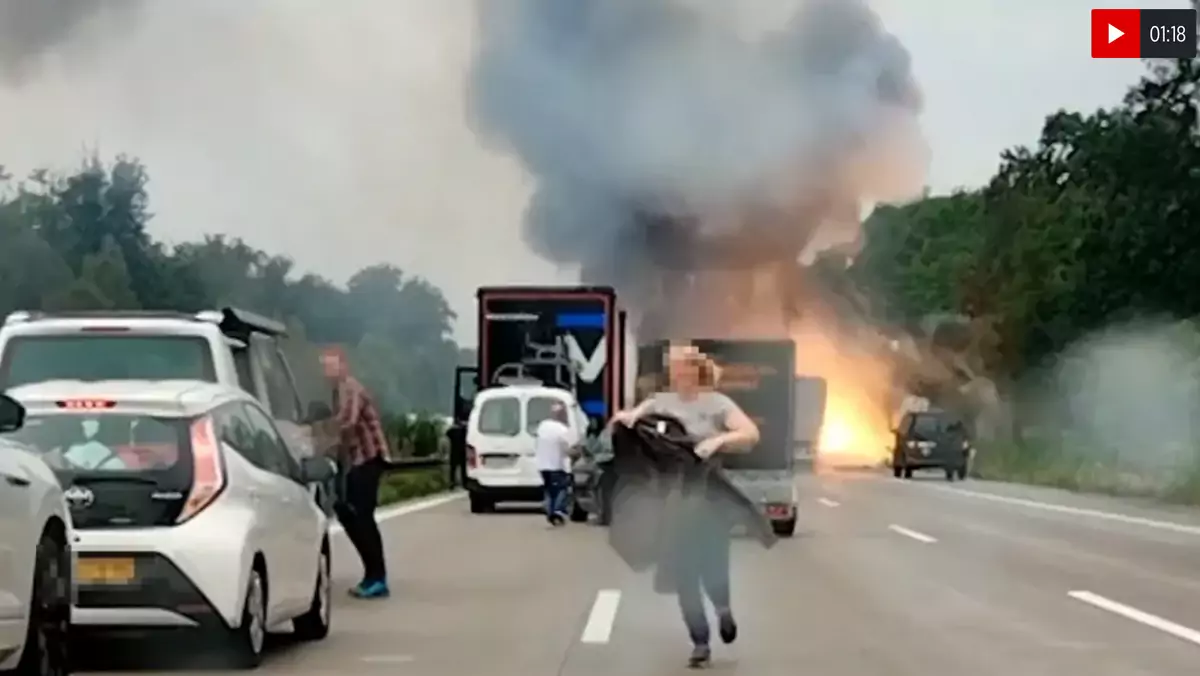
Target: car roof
[(178, 325), (184, 398), (525, 391)]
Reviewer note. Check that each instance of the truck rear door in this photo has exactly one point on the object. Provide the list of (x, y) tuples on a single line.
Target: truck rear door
[(529, 324)]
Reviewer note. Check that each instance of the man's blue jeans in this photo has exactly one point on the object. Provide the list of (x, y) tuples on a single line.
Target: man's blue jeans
[(555, 483)]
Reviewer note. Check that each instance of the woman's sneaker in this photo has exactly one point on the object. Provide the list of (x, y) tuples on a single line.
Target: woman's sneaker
[(701, 657), (728, 626)]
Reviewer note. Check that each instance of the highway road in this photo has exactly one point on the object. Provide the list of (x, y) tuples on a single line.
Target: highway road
[(886, 577)]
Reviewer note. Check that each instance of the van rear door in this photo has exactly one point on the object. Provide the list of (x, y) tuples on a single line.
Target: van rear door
[(503, 448)]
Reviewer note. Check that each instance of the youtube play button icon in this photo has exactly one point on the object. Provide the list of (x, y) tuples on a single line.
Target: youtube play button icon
[(1116, 33)]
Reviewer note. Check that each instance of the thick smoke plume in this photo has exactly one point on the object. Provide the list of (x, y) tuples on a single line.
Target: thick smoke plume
[(32, 29), (690, 135)]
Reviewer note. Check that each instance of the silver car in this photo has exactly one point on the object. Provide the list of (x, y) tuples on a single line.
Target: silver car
[(189, 510)]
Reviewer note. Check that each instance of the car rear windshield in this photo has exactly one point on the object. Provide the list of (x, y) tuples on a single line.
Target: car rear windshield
[(116, 443), (500, 416), (90, 357), (929, 425), (538, 409)]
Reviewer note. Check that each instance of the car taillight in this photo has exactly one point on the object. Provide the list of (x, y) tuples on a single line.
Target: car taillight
[(208, 474), (779, 510), (472, 457)]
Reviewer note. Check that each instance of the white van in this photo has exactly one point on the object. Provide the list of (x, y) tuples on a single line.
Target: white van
[(500, 458)]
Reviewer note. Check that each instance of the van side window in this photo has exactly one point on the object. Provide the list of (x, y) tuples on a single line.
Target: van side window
[(245, 376), (284, 403), (281, 398)]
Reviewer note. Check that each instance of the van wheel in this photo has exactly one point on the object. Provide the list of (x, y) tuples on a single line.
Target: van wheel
[(480, 504), (962, 472), (47, 645), (245, 644), (314, 624), (951, 473), (908, 471)]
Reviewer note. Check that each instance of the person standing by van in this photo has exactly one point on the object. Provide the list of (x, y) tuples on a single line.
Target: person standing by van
[(720, 426), (362, 463), (553, 441), (456, 434)]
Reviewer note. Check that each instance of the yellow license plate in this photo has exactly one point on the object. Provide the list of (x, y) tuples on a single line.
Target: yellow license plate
[(105, 571)]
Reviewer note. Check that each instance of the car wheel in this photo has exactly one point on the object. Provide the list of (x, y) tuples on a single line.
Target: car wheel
[(245, 644), (314, 624), (908, 472), (962, 472), (784, 529), (951, 473), (47, 644), (480, 504)]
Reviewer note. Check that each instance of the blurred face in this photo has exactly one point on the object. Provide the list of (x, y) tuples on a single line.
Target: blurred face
[(684, 373), (333, 364)]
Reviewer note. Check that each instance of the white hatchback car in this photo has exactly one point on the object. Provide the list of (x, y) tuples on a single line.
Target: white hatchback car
[(35, 558), (188, 508)]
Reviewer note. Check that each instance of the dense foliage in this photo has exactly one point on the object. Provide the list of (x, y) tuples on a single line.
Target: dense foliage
[(82, 241), (1093, 226)]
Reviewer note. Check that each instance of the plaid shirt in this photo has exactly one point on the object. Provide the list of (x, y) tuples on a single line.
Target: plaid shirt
[(362, 431)]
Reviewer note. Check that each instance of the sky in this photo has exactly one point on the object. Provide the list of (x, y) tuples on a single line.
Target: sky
[(335, 133)]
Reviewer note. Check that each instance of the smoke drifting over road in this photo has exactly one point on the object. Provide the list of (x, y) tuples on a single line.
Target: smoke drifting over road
[(756, 128)]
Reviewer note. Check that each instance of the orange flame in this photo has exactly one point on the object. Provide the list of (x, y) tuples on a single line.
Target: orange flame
[(857, 421)]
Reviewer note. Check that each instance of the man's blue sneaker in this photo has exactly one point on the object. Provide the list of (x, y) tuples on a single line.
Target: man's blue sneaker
[(371, 590)]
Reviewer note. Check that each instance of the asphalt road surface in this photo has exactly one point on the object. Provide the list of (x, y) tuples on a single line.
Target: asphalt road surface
[(886, 577)]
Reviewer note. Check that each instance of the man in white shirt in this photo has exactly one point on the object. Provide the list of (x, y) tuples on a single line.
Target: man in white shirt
[(553, 441)]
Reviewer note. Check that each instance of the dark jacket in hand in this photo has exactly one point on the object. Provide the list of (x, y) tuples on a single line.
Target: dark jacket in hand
[(663, 494)]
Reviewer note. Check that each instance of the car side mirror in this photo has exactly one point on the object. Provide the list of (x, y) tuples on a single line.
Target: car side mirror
[(316, 470), (12, 414)]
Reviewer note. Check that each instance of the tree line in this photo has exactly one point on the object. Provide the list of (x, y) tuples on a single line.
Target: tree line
[(80, 240), (1095, 225), (1092, 225)]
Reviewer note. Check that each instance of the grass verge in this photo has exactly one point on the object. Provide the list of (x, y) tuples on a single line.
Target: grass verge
[(1058, 468), (400, 486)]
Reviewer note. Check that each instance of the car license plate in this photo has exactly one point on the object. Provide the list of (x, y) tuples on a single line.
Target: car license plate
[(105, 571), (499, 461)]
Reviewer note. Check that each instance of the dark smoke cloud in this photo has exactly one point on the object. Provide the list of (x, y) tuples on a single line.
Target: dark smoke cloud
[(32, 29), (747, 141)]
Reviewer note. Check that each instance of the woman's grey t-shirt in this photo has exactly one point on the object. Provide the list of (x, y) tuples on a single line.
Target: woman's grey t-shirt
[(703, 416)]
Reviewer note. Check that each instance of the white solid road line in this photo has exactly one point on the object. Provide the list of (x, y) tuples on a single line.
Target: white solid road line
[(407, 508), (828, 503), (1077, 511), (910, 533), (598, 629), (1130, 613)]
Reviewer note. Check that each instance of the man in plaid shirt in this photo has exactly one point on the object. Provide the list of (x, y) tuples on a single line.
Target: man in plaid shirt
[(361, 459)]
